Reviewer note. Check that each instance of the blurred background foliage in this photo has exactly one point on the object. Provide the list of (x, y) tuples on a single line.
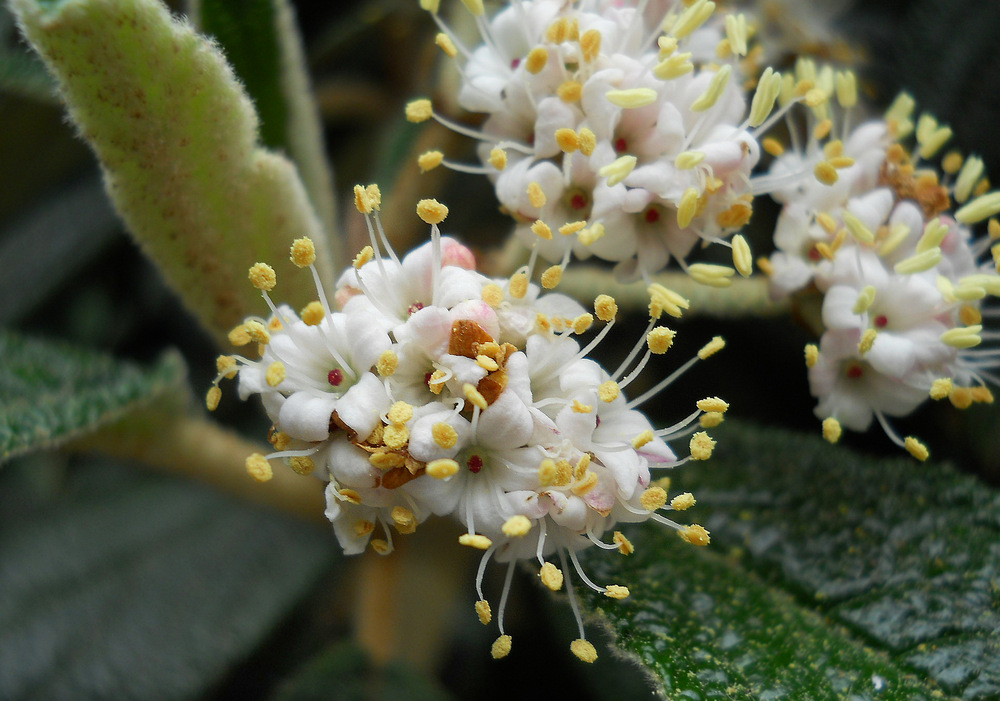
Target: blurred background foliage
[(134, 585)]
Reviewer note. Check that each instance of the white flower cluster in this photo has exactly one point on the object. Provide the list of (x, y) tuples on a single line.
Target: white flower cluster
[(870, 225), (437, 390), (615, 131)]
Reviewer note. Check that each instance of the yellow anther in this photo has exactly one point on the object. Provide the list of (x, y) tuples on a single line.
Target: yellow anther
[(711, 419), (701, 446), (713, 404), (812, 354), (689, 159), (867, 341), (484, 612), (969, 315), (605, 307), (588, 141), (312, 314), (431, 211), (816, 97), (536, 196), (516, 526), (280, 440), (551, 277), (212, 398), (501, 647), (362, 201), (941, 388), (742, 257), (419, 110), (518, 285), (822, 130), (714, 90), (826, 173), (618, 170), (274, 324), (831, 429), (674, 67), (226, 365), (582, 323), (498, 158), (667, 45), (445, 436), (551, 576), (712, 347), (386, 461), (737, 33), (537, 58), (584, 650), (695, 535), (971, 171), (257, 332), (473, 395), (847, 89), (547, 472), (259, 468), (570, 91), (364, 256), (447, 45), (981, 394), (363, 528), (663, 299), (442, 469), (429, 160), (590, 45), (472, 540), (608, 391), (302, 465), (374, 196), (653, 498), (387, 363), (558, 31), (239, 336), (541, 230), (585, 484), (961, 397), (983, 207), (857, 228), (275, 374), (952, 162), (262, 276), (581, 409), (570, 228), (711, 275), (688, 207), (692, 18), (616, 591), (564, 473), (773, 146), (642, 439), (493, 295), (395, 436), (916, 448), (400, 413), (475, 7), (624, 544), (632, 98), (402, 516), (487, 363), (682, 502), (431, 6), (919, 262), (660, 339), (591, 234), (963, 336), (841, 162), (567, 139), (380, 547)]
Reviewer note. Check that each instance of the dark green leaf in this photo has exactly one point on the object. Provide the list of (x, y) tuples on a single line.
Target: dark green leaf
[(829, 575), (51, 392), (130, 586)]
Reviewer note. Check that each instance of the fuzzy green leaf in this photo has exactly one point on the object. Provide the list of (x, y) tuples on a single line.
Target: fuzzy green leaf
[(177, 138), (51, 392), (829, 575)]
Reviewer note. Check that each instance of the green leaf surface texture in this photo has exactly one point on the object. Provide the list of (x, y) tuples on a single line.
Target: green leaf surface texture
[(830, 575), (51, 392)]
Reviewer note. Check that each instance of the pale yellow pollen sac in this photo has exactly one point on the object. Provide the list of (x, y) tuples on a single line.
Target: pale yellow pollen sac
[(941, 388), (982, 394), (963, 336), (536, 60), (605, 307), (547, 472), (436, 383), (275, 374), (262, 277), (402, 516), (857, 228), (518, 285), (274, 324), (570, 91), (302, 252), (380, 547), (695, 534), (582, 323), (588, 141), (551, 576), (689, 159), (312, 314), (711, 348), (374, 196), (625, 546), (419, 111), (713, 404), (584, 650), (632, 98), (579, 408), (484, 612), (642, 439), (737, 33), (952, 162), (981, 208), (226, 365), (387, 363), (714, 90), (590, 45), (865, 299), (473, 395), (968, 176), (667, 45), (961, 397), (516, 526), (501, 647), (831, 429), (498, 158), (812, 354), (429, 160), (558, 31), (386, 461), (916, 448), (541, 230), (828, 223), (711, 419), (585, 484), (257, 332), (773, 146), (826, 173), (683, 502), (696, 14), (552, 277), (867, 341), (591, 234), (493, 295), (653, 498), (259, 468), (919, 262), (993, 229), (701, 446), (570, 228), (847, 89), (823, 129), (364, 256), (616, 591), (446, 44), (431, 211), (213, 398), (350, 495), (363, 528), (660, 339), (742, 257), (969, 315), (442, 469), (487, 363), (473, 540), (608, 391), (567, 139), (395, 436), (280, 440), (564, 473), (536, 196), (711, 275), (688, 207), (618, 170), (663, 299), (399, 413), (302, 465)]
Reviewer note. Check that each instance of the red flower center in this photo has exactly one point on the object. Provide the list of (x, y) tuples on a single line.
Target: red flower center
[(881, 321), (335, 377), (475, 463)]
